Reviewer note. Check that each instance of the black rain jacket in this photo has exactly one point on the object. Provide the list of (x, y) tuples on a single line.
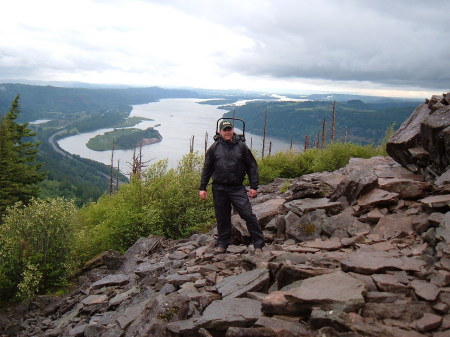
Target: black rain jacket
[(227, 163)]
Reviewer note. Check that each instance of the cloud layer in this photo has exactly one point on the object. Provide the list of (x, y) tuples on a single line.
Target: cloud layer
[(379, 45)]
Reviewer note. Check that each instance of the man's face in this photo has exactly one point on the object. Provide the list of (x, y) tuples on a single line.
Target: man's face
[(227, 133)]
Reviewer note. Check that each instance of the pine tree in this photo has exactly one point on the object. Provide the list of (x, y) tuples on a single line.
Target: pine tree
[(19, 171)]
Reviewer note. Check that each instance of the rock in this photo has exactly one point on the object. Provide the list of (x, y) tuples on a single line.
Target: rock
[(306, 227), (436, 201), (428, 322), (407, 136), (405, 188), (372, 262), (230, 312), (432, 139), (426, 129), (303, 206), (276, 303), (392, 225), (390, 283), (425, 290), (377, 197), (297, 328), (346, 292), (178, 280), (111, 280), (237, 285), (144, 246)]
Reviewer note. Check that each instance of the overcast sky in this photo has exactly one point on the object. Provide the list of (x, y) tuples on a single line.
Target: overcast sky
[(375, 47)]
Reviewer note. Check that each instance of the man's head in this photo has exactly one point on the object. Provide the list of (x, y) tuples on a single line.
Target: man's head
[(226, 130)]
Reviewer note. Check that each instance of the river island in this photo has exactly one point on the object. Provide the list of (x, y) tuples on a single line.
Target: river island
[(124, 139)]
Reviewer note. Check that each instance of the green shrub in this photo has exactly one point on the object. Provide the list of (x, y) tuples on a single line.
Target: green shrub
[(35, 247), (333, 157), (163, 202)]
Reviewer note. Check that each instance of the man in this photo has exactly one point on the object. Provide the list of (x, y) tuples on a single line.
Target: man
[(227, 161)]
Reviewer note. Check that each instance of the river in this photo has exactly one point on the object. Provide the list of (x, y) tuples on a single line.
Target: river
[(177, 120)]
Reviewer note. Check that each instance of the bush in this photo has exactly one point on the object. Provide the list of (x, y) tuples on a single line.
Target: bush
[(163, 202), (35, 247), (291, 165)]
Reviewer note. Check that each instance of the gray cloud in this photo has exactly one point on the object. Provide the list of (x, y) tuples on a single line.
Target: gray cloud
[(396, 43)]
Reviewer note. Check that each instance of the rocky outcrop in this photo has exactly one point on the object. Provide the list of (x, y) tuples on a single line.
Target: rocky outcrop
[(422, 143), (347, 254)]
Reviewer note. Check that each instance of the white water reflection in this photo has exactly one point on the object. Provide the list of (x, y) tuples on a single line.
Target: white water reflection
[(177, 120)]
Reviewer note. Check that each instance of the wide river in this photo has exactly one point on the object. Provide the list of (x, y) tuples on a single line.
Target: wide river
[(177, 120)]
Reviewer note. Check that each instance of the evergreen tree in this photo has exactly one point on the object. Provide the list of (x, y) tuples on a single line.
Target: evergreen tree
[(19, 171)]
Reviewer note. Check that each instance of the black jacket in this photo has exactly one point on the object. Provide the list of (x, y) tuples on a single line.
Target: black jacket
[(227, 163)]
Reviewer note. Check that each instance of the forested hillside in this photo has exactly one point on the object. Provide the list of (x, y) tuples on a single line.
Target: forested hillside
[(49, 102), (357, 121), (73, 110)]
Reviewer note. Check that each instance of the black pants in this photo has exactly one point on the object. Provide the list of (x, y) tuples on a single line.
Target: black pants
[(223, 199)]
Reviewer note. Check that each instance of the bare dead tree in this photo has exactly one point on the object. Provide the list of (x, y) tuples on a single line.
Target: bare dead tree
[(264, 135), (346, 135), (333, 121), (324, 130), (111, 171), (290, 146), (206, 141), (306, 146), (117, 175), (270, 148), (191, 144), (251, 143), (137, 165)]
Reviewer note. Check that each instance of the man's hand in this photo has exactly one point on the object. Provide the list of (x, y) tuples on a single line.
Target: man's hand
[(203, 195), (252, 193)]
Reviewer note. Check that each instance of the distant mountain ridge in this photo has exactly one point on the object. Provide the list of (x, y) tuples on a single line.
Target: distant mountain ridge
[(42, 101)]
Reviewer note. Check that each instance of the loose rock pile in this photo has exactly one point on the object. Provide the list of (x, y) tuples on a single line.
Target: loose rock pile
[(362, 251), (422, 143)]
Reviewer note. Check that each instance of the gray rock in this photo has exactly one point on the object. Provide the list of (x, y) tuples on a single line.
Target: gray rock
[(178, 280), (425, 290), (359, 181), (306, 227), (237, 285), (144, 246), (112, 280), (282, 324), (371, 262), (407, 136), (392, 225), (347, 292), (230, 312), (303, 206), (405, 188), (377, 197)]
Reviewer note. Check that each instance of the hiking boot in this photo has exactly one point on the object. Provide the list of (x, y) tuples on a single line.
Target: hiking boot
[(220, 250)]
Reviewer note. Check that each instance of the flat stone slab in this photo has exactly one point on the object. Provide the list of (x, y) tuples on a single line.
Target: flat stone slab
[(406, 189), (390, 283), (377, 197), (330, 290), (392, 224), (436, 201), (94, 299), (178, 280), (267, 210), (425, 290), (302, 206), (237, 285), (111, 280), (236, 312), (331, 244), (372, 262)]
